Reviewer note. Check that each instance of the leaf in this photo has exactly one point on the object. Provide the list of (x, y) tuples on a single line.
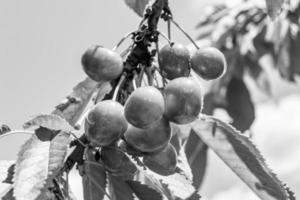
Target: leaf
[(294, 54), (4, 129), (183, 166), (144, 192), (176, 183), (274, 7), (39, 161), (75, 103), (53, 122), (120, 189), (239, 104), (94, 178), (196, 152), (6, 175), (138, 6), (238, 152)]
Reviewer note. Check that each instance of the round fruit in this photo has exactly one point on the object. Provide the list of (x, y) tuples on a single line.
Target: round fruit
[(174, 61), (105, 123), (144, 107), (151, 139), (209, 63), (129, 149), (164, 162), (183, 100), (116, 161), (102, 64)]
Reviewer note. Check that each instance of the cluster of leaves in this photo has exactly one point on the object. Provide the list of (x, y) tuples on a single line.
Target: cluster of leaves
[(248, 37), (43, 163)]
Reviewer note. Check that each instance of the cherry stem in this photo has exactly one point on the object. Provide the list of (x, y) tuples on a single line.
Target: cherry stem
[(114, 98), (134, 80), (122, 40), (17, 132), (75, 136), (165, 37), (159, 70), (169, 29), (185, 33)]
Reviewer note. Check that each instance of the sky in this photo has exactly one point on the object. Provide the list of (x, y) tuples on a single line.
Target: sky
[(41, 43)]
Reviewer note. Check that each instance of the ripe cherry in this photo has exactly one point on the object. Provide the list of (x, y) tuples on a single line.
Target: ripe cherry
[(163, 162), (144, 107), (105, 123), (174, 61), (102, 64), (183, 100), (117, 162), (209, 63), (151, 139)]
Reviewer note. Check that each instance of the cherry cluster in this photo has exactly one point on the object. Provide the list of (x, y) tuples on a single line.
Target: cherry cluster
[(140, 124)]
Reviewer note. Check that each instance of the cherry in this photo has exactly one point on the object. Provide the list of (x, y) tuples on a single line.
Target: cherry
[(163, 162), (151, 139), (117, 162), (102, 64), (144, 107), (183, 100), (105, 123), (209, 63), (174, 61), (129, 149)]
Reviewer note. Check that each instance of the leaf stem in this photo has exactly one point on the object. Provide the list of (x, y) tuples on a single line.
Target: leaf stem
[(185, 33), (16, 132)]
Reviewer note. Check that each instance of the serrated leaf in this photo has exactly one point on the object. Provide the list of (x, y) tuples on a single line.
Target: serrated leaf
[(177, 183), (196, 152), (39, 161), (8, 195), (239, 104), (144, 192), (138, 6), (52, 122), (120, 190), (183, 166), (195, 196), (274, 7), (6, 175), (239, 153), (94, 178), (72, 107)]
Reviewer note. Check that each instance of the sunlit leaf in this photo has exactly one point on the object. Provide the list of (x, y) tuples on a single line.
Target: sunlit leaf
[(94, 178), (239, 153), (72, 107), (6, 176), (143, 191), (177, 183), (53, 122), (39, 161)]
